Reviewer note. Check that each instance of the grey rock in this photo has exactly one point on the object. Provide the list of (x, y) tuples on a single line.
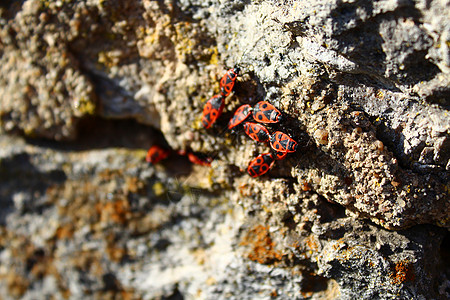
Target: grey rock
[(359, 211)]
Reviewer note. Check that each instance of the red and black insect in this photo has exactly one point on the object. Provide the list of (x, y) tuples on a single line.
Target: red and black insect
[(281, 142), (227, 81), (264, 112), (155, 154), (240, 115), (260, 165), (212, 110), (280, 155), (257, 132), (198, 160)]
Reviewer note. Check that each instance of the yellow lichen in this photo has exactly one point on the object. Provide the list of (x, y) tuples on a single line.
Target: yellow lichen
[(214, 58), (109, 59), (85, 106), (159, 189), (197, 124)]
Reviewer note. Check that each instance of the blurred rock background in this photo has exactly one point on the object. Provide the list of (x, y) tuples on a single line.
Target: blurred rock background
[(360, 211)]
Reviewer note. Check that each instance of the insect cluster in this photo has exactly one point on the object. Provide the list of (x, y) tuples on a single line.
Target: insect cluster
[(262, 112), (214, 106)]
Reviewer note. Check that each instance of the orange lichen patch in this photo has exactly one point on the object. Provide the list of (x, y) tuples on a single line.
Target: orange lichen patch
[(88, 205), (262, 248), (17, 285), (133, 184), (117, 211), (273, 294), (402, 271), (244, 190), (395, 183), (295, 245), (64, 231), (127, 295), (116, 254), (312, 243), (66, 293), (304, 185)]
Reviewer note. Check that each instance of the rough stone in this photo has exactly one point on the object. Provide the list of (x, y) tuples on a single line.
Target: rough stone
[(361, 210)]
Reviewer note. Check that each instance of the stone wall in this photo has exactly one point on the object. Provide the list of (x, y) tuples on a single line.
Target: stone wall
[(360, 210)]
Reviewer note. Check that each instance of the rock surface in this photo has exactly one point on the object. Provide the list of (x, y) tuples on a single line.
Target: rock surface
[(361, 210)]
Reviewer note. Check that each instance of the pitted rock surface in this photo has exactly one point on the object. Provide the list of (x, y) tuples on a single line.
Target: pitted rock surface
[(361, 210)]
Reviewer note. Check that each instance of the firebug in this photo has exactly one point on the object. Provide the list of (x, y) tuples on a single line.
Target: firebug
[(260, 165), (212, 110), (257, 132), (228, 80), (280, 155), (197, 159), (155, 154), (240, 115), (264, 112), (202, 161), (281, 142)]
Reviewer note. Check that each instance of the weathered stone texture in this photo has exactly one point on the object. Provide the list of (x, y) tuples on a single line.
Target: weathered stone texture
[(360, 211)]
